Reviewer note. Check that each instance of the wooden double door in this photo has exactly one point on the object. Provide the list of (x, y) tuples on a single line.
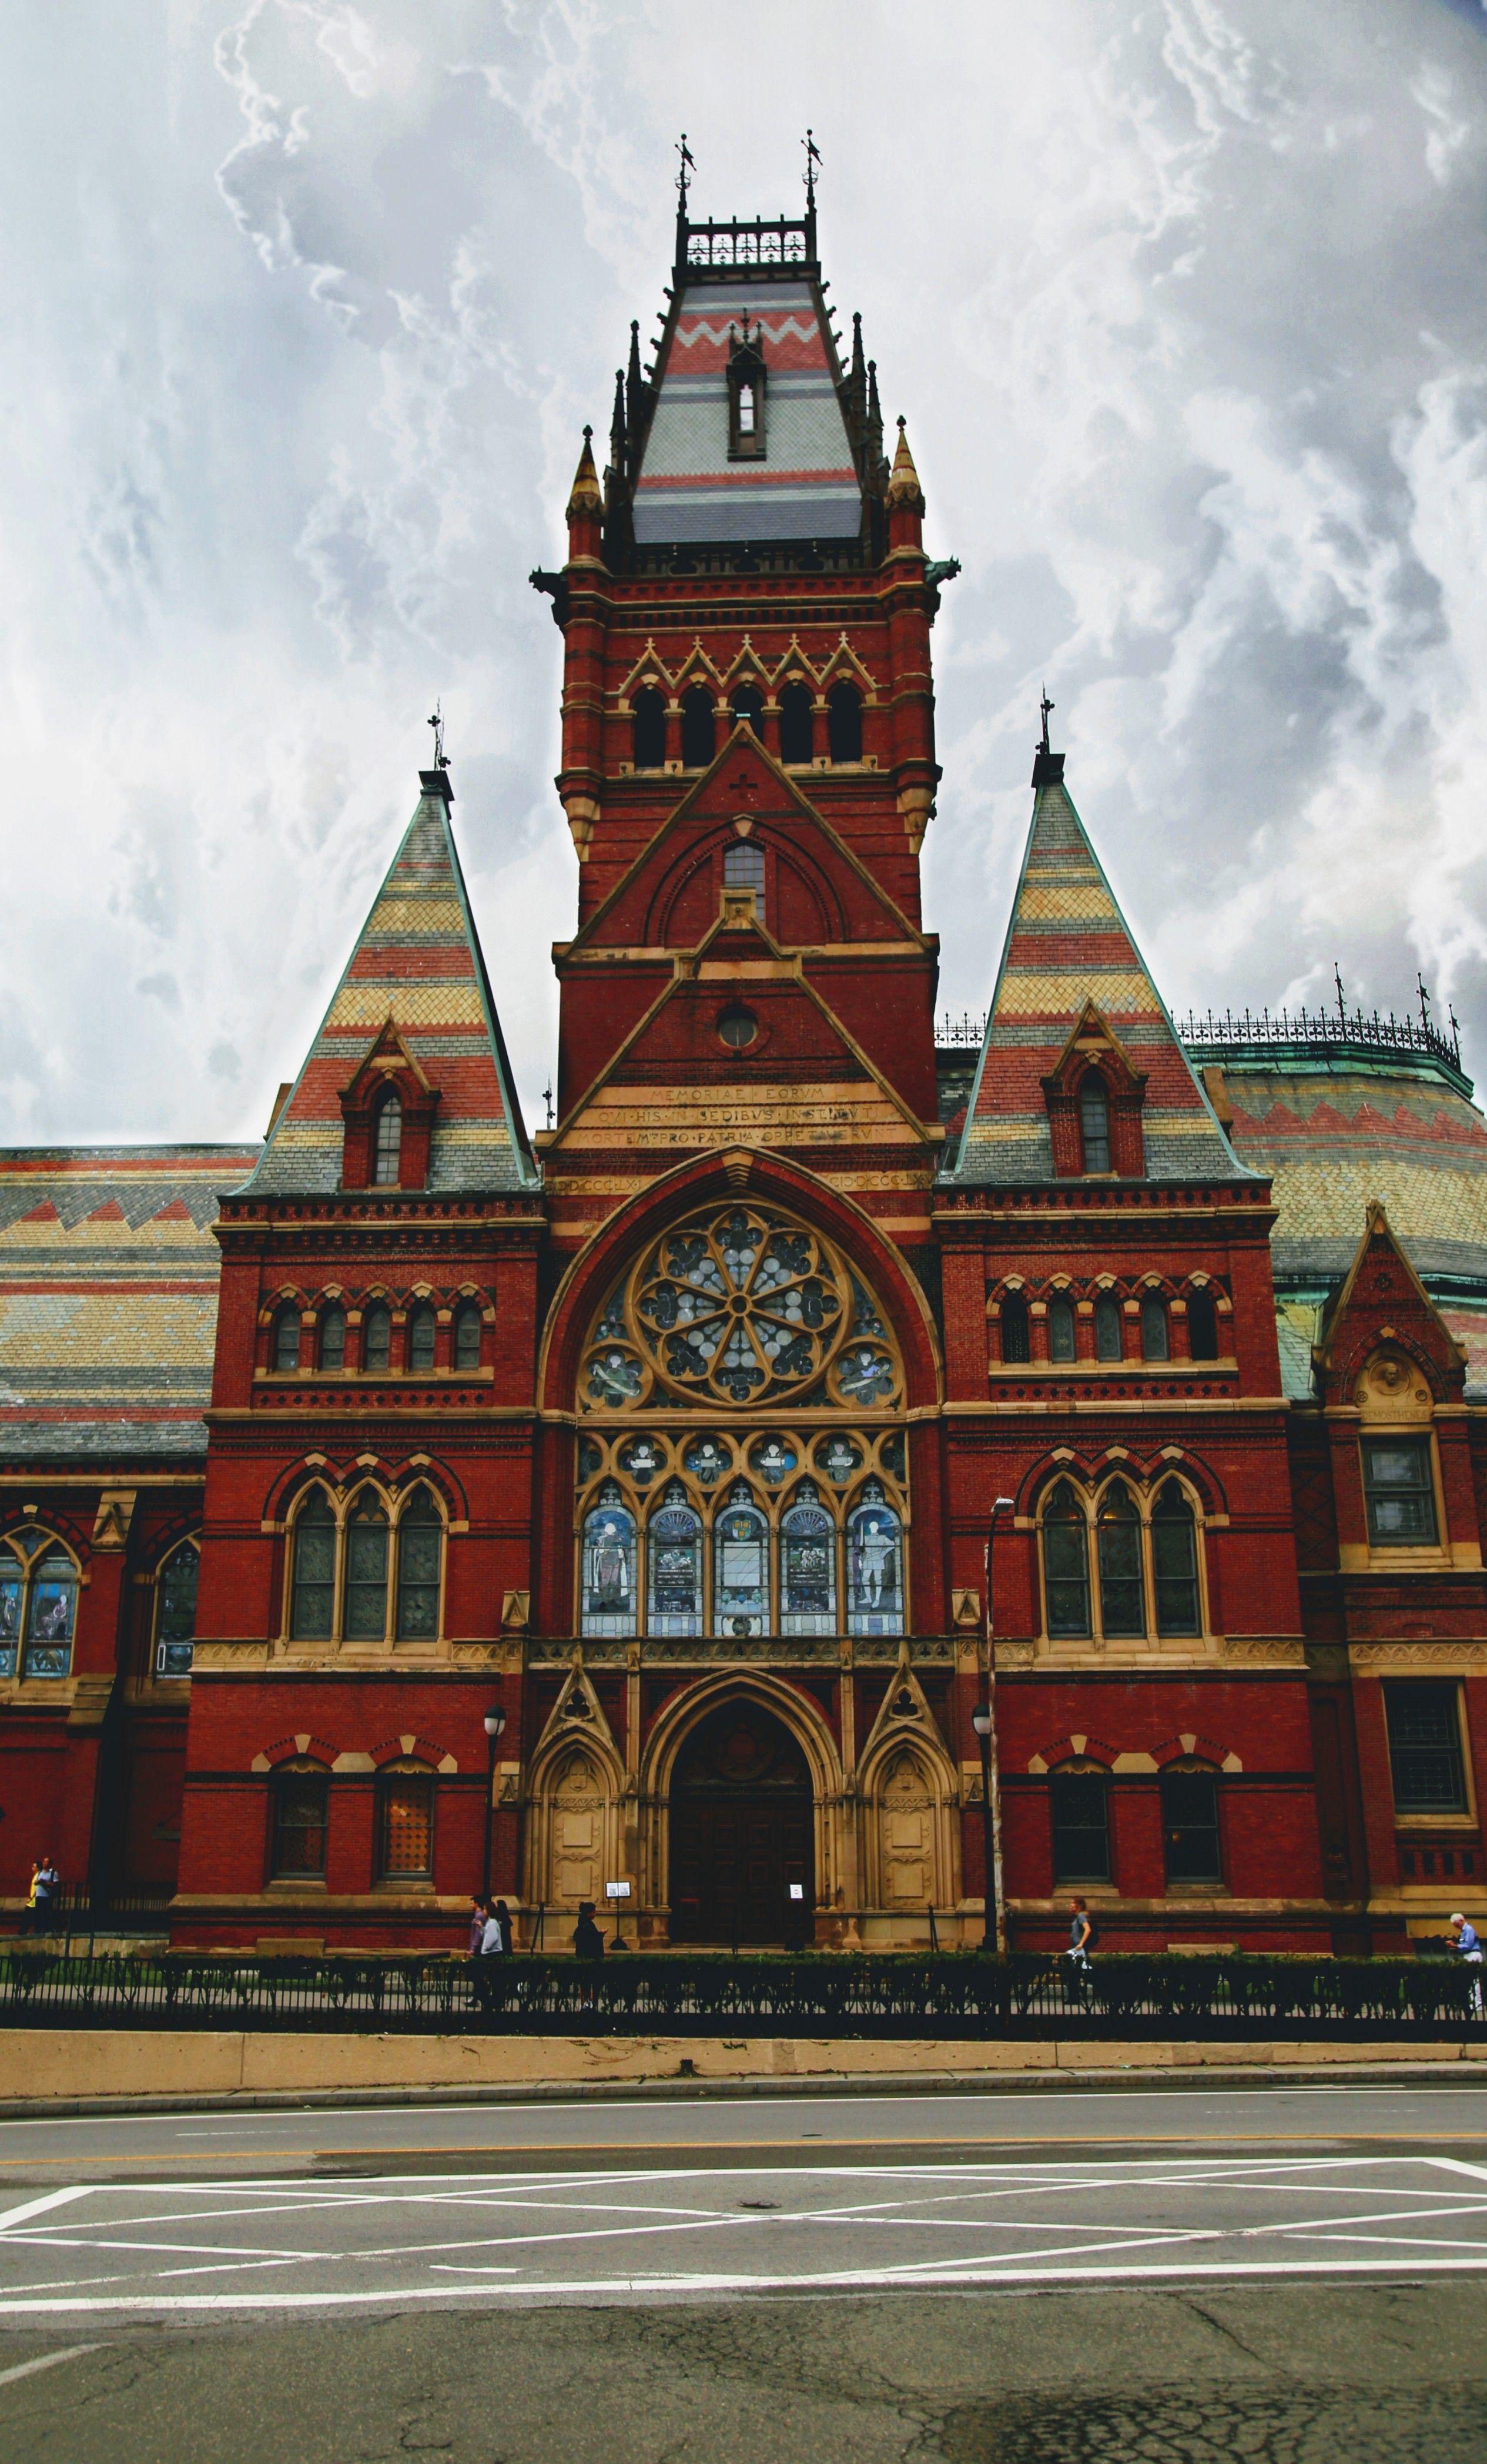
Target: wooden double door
[(742, 1834)]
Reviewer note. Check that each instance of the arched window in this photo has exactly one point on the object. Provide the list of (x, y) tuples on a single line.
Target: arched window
[(1190, 1824), (1015, 1343), (377, 1336), (875, 1566), (312, 1617), (365, 1612), (13, 1603), (698, 729), (421, 1338), (1174, 1562), (466, 1335), (332, 1338), (1093, 1120), (609, 1558), (420, 1538), (405, 1823), (286, 1339), (747, 708), (648, 723), (740, 1567), (808, 1566), (743, 868), (388, 1147), (844, 723), (1202, 1327), (796, 724), (52, 1616), (1060, 1330), (1107, 1326), (673, 1557), (1066, 1565), (1080, 1811), (1123, 1592), (175, 1611), (300, 1803), (1154, 1344)]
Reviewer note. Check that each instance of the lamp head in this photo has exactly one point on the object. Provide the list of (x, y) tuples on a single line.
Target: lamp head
[(494, 1721), (981, 1719)]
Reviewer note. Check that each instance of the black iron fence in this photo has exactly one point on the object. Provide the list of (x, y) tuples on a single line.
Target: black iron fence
[(892, 1995)]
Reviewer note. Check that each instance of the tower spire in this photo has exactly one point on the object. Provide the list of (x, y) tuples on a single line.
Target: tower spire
[(634, 384), (617, 428)]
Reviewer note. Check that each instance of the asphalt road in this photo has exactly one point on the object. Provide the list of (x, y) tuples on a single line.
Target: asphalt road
[(1280, 2273)]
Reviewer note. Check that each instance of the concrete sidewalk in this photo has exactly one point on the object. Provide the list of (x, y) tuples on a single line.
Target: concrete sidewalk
[(52, 2070)]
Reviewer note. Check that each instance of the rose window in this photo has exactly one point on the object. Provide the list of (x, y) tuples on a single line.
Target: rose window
[(738, 1307)]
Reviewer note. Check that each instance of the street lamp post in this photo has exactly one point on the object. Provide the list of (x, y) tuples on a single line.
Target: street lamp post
[(983, 1719), (495, 1724)]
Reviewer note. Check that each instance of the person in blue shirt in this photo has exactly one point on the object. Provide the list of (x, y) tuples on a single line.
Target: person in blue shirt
[(1468, 1942)]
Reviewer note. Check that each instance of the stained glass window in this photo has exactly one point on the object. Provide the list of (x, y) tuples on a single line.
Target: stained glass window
[(377, 1336), (1154, 1344), (1066, 1565), (389, 1142), (313, 1602), (420, 1537), (176, 1623), (740, 1567), (286, 1339), (875, 1574), (406, 1825), (673, 1540), (365, 1618), (13, 1592), (421, 1339), (332, 1339), (54, 1603), (1061, 1331), (466, 1335), (609, 1562), (1107, 1326), (808, 1567), (1123, 1605), (1174, 1562)]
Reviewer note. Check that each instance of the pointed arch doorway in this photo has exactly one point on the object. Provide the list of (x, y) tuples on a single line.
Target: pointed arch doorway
[(742, 1831)]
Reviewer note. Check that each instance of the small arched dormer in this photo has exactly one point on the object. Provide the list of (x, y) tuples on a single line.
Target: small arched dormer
[(1094, 1097)]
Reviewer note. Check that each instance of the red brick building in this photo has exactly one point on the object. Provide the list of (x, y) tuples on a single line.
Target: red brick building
[(619, 1504)]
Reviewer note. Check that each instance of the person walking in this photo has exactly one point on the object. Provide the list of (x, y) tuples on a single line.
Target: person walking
[(1082, 1934), (503, 1918), (1468, 1945), (478, 1914), (45, 1884)]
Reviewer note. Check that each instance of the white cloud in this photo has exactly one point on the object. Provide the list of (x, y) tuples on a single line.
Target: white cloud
[(1181, 303)]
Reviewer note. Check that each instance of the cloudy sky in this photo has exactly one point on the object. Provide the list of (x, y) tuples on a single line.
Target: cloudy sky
[(305, 305)]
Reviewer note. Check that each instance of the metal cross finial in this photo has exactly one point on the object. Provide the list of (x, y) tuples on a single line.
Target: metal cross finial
[(436, 722), (1337, 978), (1045, 705), (1425, 998), (812, 166), (687, 165), (547, 1098)]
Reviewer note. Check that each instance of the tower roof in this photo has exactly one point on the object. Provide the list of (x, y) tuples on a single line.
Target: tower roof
[(1068, 946), (740, 286), (418, 964)]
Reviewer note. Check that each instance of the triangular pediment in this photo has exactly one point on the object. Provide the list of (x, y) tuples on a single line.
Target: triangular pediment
[(1382, 1301), (746, 793), (738, 1050)]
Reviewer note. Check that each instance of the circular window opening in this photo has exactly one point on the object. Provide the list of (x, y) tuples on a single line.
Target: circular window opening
[(737, 1027)]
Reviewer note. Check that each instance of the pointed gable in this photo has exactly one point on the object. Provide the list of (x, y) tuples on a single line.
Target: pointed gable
[(1382, 1300), (1070, 961), (794, 477), (417, 978)]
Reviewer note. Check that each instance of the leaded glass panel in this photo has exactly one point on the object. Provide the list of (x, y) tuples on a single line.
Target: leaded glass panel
[(740, 1567), (808, 1567), (313, 1598), (419, 1541), (177, 1621), (609, 1565), (875, 1570), (53, 1602), (366, 1618), (673, 1544)]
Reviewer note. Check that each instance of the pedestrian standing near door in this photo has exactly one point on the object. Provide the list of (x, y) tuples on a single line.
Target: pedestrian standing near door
[(588, 1943)]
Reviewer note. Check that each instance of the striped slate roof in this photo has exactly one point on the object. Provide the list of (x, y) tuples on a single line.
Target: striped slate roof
[(1067, 943), (417, 961), (108, 1298), (805, 486)]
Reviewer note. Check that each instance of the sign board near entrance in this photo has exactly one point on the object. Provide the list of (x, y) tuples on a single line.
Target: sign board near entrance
[(617, 1890)]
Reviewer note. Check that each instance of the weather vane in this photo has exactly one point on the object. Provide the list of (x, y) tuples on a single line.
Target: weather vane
[(687, 165), (1045, 705), (436, 722), (811, 167)]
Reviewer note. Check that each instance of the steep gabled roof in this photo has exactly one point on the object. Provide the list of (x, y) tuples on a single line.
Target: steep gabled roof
[(417, 961), (1068, 944), (805, 485)]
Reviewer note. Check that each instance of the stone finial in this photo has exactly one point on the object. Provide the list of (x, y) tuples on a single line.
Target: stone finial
[(904, 487), (585, 497)]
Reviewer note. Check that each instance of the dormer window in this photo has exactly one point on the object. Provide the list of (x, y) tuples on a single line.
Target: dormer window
[(746, 396), (1094, 1115), (389, 1142)]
